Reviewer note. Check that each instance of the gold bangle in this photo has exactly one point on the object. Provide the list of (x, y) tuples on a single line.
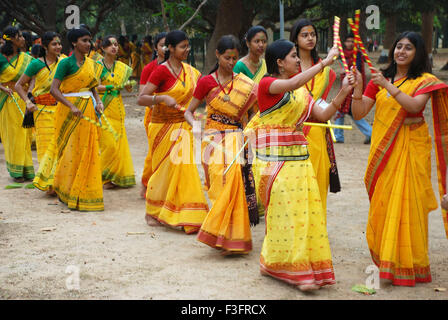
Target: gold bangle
[(355, 98), (154, 99)]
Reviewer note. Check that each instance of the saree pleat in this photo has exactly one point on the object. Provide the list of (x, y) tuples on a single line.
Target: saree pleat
[(116, 160), (296, 248), (15, 139), (398, 179), (44, 121), (227, 224), (319, 88), (72, 165), (174, 193)]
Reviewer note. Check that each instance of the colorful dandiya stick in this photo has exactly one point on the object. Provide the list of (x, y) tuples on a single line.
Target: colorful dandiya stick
[(360, 43), (355, 48), (110, 128), (337, 41), (333, 137)]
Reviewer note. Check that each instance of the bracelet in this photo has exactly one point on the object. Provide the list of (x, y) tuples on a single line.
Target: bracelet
[(355, 98), (322, 64), (154, 99)]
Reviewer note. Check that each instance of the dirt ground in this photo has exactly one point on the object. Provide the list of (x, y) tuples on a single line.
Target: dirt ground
[(163, 263)]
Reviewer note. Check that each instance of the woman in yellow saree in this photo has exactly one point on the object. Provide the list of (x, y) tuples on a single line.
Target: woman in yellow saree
[(253, 65), (72, 165), (116, 161), (42, 70), (296, 247), (304, 35), (15, 139), (158, 58), (174, 194), (398, 174), (147, 50), (230, 99)]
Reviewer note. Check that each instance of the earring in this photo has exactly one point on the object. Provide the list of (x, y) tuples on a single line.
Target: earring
[(282, 70)]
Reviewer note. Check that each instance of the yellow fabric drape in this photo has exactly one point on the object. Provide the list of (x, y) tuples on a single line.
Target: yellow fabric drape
[(116, 160), (398, 179), (146, 53), (174, 193), (15, 139), (44, 121), (72, 165), (296, 247), (227, 225), (260, 73), (316, 136)]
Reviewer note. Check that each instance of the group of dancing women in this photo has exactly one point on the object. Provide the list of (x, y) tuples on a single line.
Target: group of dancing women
[(283, 174)]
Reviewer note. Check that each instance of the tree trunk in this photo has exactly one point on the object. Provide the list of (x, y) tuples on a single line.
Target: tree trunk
[(228, 21), (49, 14), (389, 37), (427, 29)]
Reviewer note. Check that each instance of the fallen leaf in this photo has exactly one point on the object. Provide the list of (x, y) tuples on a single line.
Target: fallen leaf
[(440, 289), (360, 288), (48, 229), (135, 233), (93, 224)]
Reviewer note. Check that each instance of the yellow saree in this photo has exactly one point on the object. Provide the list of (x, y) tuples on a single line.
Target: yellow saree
[(44, 121), (116, 161), (72, 165), (227, 225), (398, 181), (15, 139), (296, 247), (174, 193), (320, 143)]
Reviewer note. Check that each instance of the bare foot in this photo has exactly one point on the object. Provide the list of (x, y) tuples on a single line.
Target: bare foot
[(308, 287), (151, 221), (51, 192), (225, 252), (143, 192), (109, 185)]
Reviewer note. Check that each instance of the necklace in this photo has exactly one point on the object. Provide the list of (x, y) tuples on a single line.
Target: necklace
[(255, 65), (17, 60), (312, 81), (226, 95), (177, 76), (111, 70), (392, 81)]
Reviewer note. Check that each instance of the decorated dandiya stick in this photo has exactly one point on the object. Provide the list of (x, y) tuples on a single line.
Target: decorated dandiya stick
[(360, 44), (355, 48), (110, 128), (337, 41), (326, 125)]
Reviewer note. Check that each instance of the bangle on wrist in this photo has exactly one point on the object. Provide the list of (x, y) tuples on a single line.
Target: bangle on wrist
[(356, 98), (154, 99), (322, 64)]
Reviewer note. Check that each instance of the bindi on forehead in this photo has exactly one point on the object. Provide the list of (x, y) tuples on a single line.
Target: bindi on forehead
[(307, 29)]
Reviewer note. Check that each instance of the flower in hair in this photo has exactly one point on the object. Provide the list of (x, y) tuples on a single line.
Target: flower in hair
[(6, 37)]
